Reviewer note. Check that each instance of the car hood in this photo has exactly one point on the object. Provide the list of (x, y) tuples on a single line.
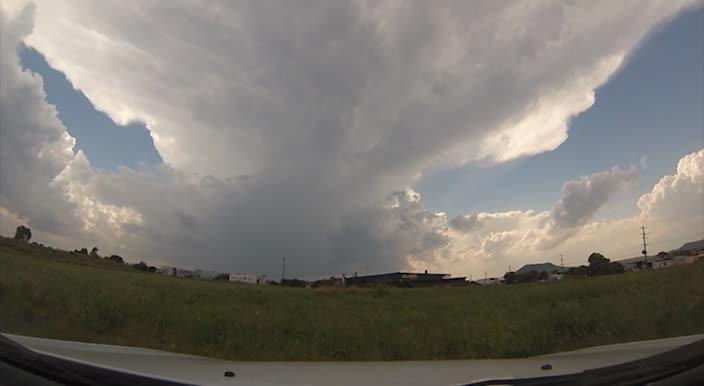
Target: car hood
[(208, 371)]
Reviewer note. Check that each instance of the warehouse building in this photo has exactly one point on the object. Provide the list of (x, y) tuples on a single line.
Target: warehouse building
[(405, 279)]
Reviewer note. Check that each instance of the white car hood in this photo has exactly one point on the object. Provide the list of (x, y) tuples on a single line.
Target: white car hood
[(207, 371)]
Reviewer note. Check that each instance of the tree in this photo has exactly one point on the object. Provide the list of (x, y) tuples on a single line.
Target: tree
[(141, 266), (510, 277), (543, 275), (115, 259), (600, 265), (596, 259), (94, 252), (663, 255), (222, 276), (22, 233)]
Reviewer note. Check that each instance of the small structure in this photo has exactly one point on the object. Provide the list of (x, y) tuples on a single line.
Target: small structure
[(489, 281), (244, 278)]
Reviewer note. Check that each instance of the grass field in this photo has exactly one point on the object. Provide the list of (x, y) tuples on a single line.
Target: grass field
[(59, 295)]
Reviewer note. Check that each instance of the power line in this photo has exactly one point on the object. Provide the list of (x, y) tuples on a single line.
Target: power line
[(283, 269), (645, 244)]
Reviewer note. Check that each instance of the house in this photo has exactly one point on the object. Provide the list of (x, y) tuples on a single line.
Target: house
[(405, 279), (489, 281), (244, 278), (541, 267)]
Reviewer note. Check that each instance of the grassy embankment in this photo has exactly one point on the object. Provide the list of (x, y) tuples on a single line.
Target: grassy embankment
[(59, 295)]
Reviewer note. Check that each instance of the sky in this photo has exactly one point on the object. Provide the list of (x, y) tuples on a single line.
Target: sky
[(353, 136)]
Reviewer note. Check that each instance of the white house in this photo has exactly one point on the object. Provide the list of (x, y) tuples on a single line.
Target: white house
[(244, 278), (489, 281)]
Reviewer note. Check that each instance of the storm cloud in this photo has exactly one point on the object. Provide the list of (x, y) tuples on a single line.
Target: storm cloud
[(330, 109)]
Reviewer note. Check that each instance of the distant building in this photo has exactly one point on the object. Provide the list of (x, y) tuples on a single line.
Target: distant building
[(405, 279), (167, 270), (657, 262), (638, 263), (244, 278), (205, 274), (692, 246), (541, 267), (489, 281), (331, 282), (180, 272)]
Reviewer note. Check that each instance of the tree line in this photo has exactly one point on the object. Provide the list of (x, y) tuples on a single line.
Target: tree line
[(23, 233)]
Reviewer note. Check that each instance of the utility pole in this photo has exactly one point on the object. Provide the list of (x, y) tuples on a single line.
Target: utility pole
[(562, 261), (283, 270), (645, 249)]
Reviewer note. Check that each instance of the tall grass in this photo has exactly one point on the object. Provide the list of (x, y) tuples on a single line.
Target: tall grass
[(59, 295)]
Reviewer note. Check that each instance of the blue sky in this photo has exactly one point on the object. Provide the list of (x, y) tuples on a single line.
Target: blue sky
[(106, 144), (652, 107)]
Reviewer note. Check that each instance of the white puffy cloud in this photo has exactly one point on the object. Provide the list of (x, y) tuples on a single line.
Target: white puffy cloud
[(404, 228), (39, 171), (676, 197), (285, 127), (580, 199), (674, 209)]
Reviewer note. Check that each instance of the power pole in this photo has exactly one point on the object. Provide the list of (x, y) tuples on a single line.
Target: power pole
[(645, 245), (562, 261), (283, 270)]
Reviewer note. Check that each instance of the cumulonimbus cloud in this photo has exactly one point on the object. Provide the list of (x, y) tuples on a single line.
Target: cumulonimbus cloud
[(327, 110)]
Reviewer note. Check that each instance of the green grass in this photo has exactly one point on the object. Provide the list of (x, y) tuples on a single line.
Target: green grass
[(59, 295)]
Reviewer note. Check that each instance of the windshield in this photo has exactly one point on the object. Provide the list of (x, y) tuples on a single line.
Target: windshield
[(352, 180)]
